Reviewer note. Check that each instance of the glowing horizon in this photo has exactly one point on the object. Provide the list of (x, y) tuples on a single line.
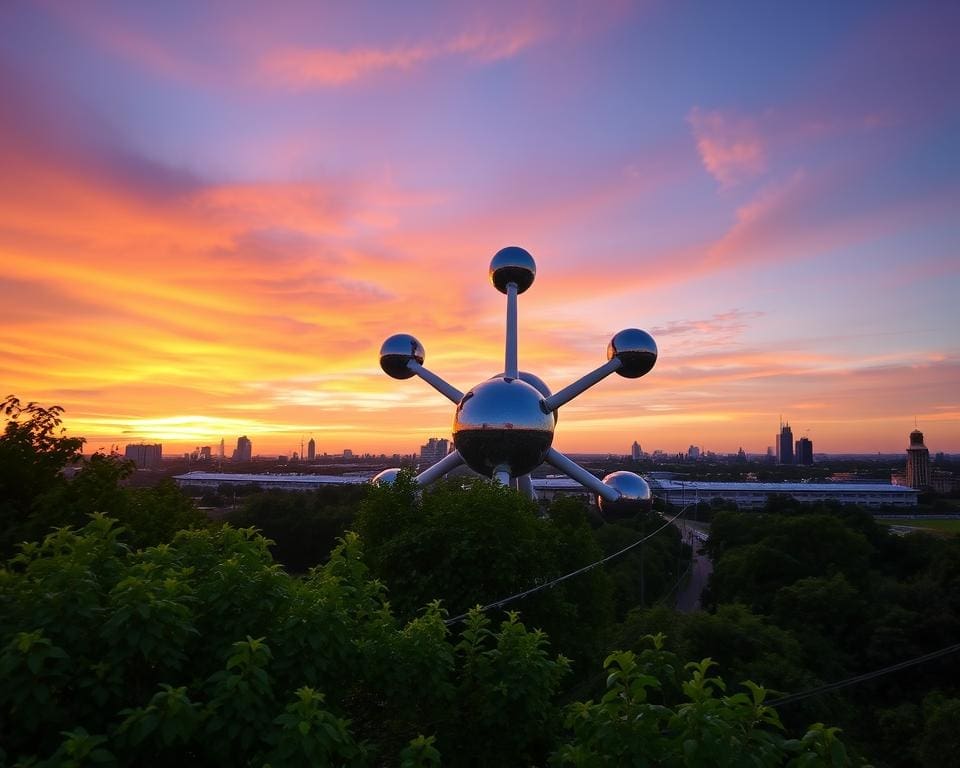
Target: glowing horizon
[(210, 219)]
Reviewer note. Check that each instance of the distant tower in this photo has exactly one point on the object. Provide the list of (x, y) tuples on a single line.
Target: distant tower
[(804, 453), (785, 444), (244, 451), (144, 456), (222, 449), (635, 451), (435, 449), (918, 461), (311, 450)]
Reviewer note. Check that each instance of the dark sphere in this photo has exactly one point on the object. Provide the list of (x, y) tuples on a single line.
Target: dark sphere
[(635, 349), (397, 351), (512, 265), (386, 477), (635, 496), (500, 422)]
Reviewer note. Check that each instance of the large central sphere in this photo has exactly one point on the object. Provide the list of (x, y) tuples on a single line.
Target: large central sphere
[(500, 424)]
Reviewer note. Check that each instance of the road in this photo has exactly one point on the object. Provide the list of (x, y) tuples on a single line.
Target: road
[(688, 600)]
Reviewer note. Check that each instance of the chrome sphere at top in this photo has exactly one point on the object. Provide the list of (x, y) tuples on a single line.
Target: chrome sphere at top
[(635, 349), (499, 423), (397, 352), (512, 265), (634, 493)]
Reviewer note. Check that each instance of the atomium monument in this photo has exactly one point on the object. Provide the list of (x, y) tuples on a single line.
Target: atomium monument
[(503, 427)]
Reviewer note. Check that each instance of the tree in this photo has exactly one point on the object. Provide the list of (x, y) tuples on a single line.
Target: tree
[(472, 543), (635, 723), (34, 449), (303, 526), (204, 652)]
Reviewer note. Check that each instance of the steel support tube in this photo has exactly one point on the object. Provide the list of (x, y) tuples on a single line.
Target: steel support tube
[(447, 464), (525, 486), (586, 479), (511, 367), (449, 391), (581, 385), (502, 475)]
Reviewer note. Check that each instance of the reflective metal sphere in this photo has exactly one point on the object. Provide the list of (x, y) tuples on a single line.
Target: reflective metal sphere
[(538, 384), (397, 351), (386, 477), (500, 422), (512, 265), (636, 350), (635, 495)]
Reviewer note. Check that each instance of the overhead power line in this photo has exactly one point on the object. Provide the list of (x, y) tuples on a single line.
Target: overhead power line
[(547, 585), (864, 677)]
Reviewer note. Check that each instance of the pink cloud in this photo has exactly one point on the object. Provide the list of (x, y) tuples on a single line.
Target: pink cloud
[(329, 67), (730, 147)]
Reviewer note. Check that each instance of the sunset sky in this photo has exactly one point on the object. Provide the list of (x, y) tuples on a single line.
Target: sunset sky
[(212, 215)]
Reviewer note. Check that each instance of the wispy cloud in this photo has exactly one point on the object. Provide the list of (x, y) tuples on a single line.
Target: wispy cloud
[(300, 67)]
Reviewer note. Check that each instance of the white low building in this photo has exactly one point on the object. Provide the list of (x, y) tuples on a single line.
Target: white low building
[(755, 495), (678, 492)]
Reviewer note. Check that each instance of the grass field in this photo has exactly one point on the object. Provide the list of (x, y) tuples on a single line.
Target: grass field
[(942, 526)]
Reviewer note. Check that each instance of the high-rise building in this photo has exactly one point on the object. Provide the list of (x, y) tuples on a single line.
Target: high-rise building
[(918, 461), (785, 444), (244, 449), (693, 452), (222, 449), (311, 450), (435, 449), (635, 451), (144, 456), (804, 451)]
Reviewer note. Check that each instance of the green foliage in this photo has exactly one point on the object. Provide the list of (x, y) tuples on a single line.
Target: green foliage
[(745, 645), (36, 497), (634, 724), (204, 652), (34, 449), (852, 599), (648, 573), (472, 544), (303, 526)]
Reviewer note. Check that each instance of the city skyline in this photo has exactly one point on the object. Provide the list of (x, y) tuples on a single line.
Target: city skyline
[(211, 218)]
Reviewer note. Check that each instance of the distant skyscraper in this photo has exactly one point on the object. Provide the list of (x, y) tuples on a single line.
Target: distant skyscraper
[(222, 449), (741, 455), (144, 456), (311, 450), (804, 455), (435, 449), (693, 452), (918, 461), (635, 451), (244, 451), (785, 444)]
